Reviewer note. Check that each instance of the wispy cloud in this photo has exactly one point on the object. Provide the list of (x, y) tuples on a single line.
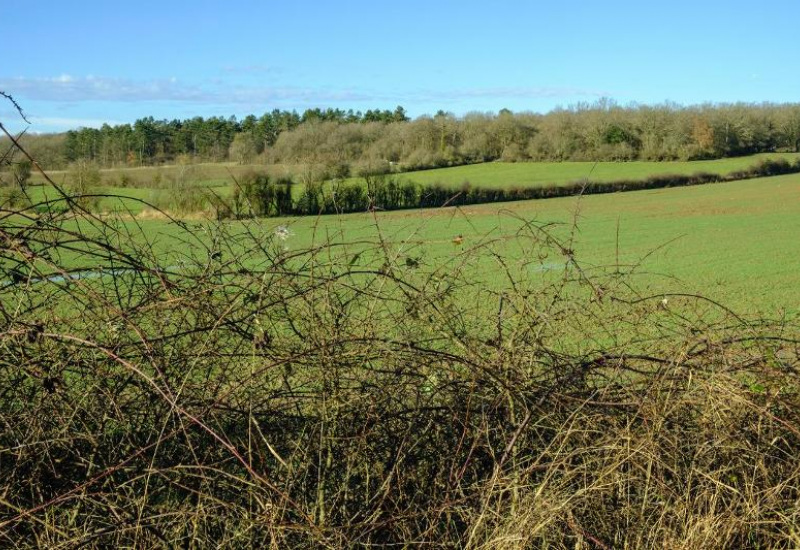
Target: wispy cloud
[(67, 88), (42, 122), (70, 89)]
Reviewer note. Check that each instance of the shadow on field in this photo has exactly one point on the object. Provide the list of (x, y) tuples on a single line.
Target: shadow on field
[(233, 393)]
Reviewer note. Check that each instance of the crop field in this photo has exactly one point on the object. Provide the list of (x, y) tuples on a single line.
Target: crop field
[(735, 242), (504, 174)]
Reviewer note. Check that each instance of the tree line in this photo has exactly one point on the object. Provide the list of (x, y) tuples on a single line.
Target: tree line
[(603, 131), (338, 143), (149, 141)]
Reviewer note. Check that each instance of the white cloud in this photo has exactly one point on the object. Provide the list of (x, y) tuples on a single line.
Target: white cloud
[(66, 88), (69, 89), (44, 122)]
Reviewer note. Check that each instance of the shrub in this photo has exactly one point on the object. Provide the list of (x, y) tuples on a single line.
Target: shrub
[(126, 180), (311, 200), (180, 199), (350, 198), (83, 186), (772, 167), (260, 195), (13, 197), (21, 173)]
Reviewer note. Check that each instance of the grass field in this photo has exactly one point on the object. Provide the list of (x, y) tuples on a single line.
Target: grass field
[(734, 242), (125, 199), (504, 174)]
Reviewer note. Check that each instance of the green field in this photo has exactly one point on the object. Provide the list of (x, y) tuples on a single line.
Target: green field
[(504, 174), (735, 242), (125, 199)]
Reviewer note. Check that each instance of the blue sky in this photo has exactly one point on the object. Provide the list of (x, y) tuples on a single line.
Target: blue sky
[(81, 63)]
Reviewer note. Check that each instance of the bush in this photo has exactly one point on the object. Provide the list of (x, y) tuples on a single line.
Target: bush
[(773, 167), (311, 201), (260, 195), (126, 180), (13, 197), (84, 176), (180, 200), (350, 198), (21, 173), (83, 186)]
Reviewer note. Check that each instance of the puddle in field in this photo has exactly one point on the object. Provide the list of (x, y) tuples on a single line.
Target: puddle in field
[(71, 277), (79, 275)]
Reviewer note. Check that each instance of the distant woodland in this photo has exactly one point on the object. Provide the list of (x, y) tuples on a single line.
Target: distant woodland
[(345, 143)]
